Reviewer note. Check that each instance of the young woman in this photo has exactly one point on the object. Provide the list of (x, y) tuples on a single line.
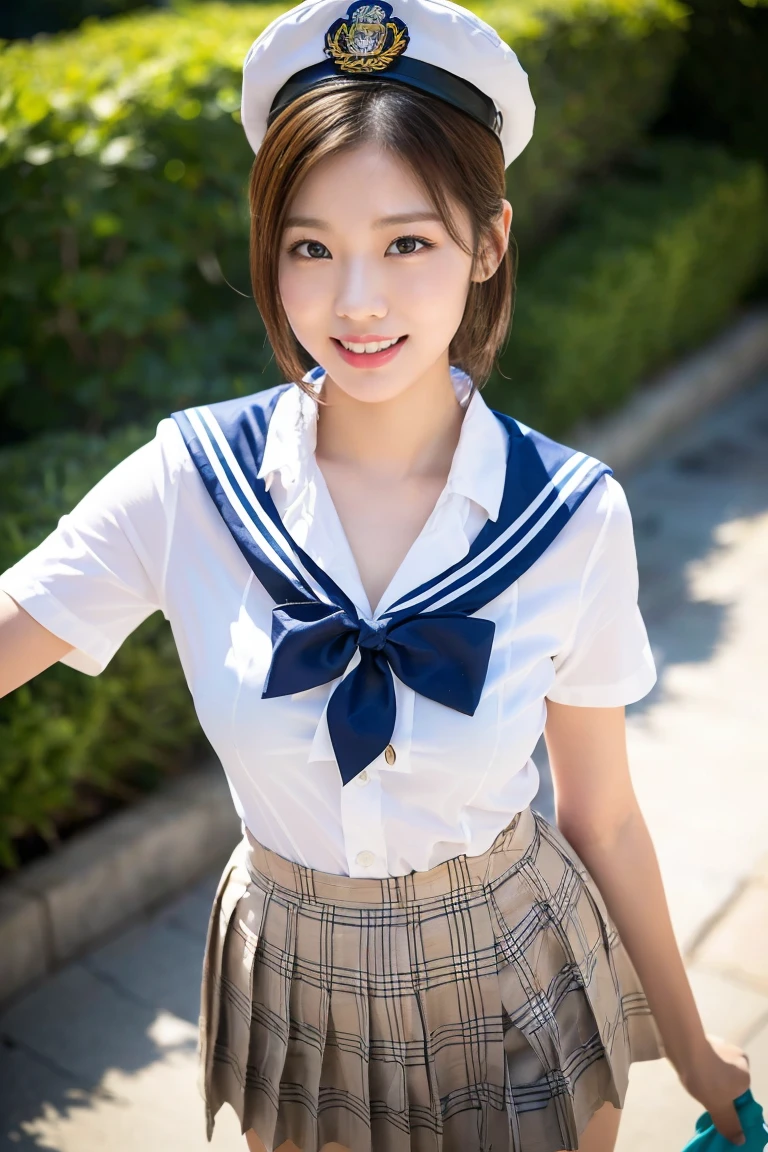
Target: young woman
[(382, 592)]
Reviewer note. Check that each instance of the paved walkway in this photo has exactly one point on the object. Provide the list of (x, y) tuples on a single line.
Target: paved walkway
[(103, 1054)]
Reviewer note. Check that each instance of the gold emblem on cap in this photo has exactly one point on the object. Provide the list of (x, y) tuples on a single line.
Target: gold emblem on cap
[(369, 39)]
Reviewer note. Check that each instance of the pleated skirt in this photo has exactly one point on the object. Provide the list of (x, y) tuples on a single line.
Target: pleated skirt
[(486, 1005)]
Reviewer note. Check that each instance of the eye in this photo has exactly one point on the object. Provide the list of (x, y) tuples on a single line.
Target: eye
[(406, 244), (315, 250)]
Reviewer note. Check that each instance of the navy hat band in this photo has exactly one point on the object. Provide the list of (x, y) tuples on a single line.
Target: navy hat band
[(426, 77)]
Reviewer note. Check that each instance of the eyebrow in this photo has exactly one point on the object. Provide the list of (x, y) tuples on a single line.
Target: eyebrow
[(384, 222)]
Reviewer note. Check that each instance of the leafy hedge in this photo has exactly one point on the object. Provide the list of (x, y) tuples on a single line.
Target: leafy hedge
[(34, 16), (65, 731), (654, 262), (720, 91), (122, 193)]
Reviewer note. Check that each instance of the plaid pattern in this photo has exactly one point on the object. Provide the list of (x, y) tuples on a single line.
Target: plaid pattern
[(487, 1005)]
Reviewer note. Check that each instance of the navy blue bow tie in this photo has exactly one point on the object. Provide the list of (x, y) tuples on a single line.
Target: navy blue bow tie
[(431, 638), (443, 656)]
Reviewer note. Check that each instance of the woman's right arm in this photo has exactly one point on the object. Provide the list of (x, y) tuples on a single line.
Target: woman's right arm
[(26, 647), (99, 574)]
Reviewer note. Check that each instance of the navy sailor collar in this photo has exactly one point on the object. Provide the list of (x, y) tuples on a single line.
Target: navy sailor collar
[(431, 637)]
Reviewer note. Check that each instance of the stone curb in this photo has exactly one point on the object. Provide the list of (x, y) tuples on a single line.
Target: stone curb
[(129, 864), (121, 868), (674, 398)]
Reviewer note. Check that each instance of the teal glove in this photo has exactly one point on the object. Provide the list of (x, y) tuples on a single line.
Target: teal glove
[(708, 1139)]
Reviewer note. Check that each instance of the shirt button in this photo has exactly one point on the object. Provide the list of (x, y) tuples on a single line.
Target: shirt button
[(365, 859), (389, 754), (362, 777)]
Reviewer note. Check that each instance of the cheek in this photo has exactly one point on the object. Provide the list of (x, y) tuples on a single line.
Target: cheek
[(438, 292), (303, 294)]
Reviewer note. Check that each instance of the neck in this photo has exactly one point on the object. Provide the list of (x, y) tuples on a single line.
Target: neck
[(410, 435)]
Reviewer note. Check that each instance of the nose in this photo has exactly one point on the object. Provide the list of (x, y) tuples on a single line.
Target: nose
[(360, 293)]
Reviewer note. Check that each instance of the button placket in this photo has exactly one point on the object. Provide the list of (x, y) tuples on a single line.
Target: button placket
[(361, 825), (396, 757)]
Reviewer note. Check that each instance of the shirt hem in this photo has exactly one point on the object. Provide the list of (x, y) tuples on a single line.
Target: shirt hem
[(626, 691), (90, 653)]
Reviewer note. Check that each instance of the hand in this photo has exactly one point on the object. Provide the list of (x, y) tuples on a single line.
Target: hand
[(719, 1074)]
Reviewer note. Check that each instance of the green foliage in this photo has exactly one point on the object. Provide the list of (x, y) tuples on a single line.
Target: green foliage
[(116, 732), (598, 75), (35, 16), (720, 91), (123, 193), (654, 262)]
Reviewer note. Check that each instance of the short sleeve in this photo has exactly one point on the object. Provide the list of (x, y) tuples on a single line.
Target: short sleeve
[(100, 572), (607, 660)]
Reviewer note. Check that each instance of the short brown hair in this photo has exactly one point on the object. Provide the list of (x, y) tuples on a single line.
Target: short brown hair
[(449, 153)]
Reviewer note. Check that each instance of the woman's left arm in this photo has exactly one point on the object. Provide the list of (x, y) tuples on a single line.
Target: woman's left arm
[(598, 813)]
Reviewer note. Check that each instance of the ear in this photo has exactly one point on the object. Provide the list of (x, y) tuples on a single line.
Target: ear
[(496, 243)]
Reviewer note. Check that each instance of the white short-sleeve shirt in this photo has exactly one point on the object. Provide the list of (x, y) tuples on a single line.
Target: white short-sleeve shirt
[(148, 536)]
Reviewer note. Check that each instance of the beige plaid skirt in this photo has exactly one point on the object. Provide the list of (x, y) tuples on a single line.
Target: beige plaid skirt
[(486, 1005)]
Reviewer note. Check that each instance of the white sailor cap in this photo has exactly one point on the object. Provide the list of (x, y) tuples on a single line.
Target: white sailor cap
[(433, 45)]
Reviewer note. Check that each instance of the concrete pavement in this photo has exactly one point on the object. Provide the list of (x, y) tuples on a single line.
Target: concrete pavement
[(103, 1053)]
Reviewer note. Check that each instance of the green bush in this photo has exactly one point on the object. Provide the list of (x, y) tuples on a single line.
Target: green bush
[(35, 16), (654, 262), (66, 732), (123, 205), (720, 90), (599, 74)]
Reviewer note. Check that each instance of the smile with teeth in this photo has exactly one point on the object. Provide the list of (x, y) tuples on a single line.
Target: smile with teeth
[(378, 346)]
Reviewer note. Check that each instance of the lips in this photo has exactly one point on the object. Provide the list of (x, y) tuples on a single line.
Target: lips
[(384, 349)]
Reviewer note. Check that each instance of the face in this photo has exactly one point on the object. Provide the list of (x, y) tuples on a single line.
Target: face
[(372, 283)]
